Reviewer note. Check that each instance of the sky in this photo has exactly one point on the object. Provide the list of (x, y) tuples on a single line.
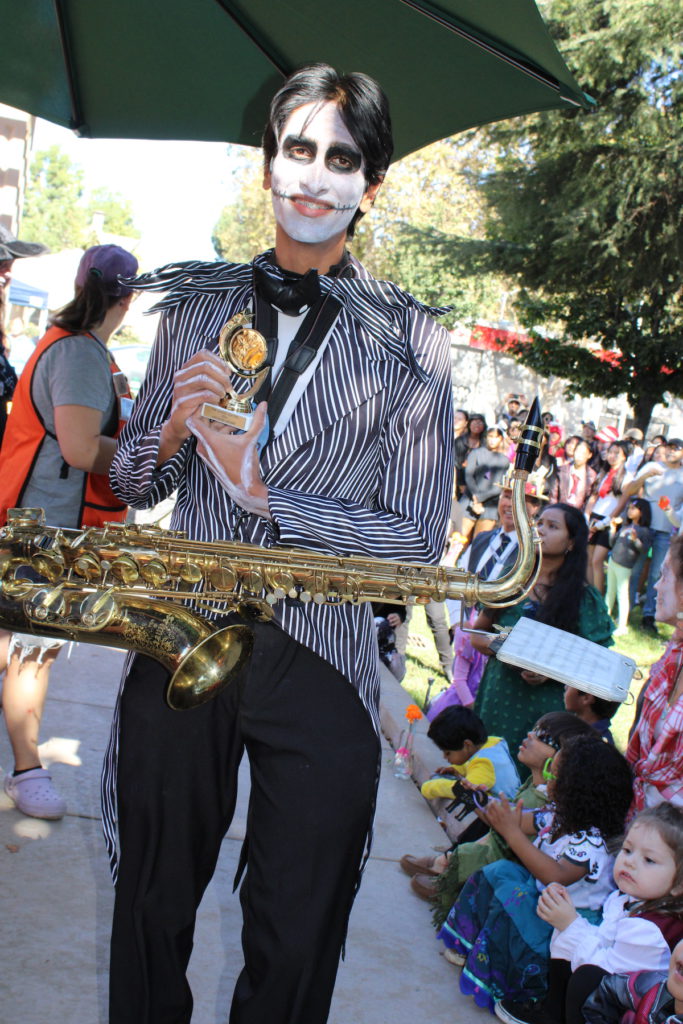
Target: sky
[(177, 189)]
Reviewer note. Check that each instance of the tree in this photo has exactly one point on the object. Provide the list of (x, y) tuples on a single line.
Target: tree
[(53, 206), (57, 211), (584, 210), (245, 226), (117, 212)]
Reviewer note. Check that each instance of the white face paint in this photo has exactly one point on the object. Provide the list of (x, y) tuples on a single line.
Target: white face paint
[(317, 176)]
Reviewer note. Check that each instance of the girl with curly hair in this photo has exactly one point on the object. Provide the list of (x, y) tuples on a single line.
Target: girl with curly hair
[(642, 922), (493, 930)]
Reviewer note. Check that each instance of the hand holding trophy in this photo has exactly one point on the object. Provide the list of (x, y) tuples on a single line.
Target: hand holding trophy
[(246, 353)]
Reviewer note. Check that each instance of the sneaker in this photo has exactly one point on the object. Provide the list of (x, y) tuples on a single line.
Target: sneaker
[(34, 794), (458, 959), (521, 1013)]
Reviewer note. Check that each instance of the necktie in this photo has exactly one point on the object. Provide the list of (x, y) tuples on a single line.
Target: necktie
[(495, 557)]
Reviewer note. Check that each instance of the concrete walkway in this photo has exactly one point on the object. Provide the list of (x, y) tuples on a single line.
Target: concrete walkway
[(56, 895)]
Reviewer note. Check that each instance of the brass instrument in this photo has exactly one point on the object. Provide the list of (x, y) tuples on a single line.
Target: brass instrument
[(131, 587)]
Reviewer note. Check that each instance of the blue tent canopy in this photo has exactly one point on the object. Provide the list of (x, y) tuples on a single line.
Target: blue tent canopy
[(21, 294)]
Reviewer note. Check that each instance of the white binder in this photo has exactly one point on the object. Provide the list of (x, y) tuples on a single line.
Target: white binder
[(566, 657)]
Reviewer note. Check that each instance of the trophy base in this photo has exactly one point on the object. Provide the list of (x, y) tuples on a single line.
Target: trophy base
[(234, 418)]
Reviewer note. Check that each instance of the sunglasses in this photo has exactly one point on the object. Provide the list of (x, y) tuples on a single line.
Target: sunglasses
[(544, 737)]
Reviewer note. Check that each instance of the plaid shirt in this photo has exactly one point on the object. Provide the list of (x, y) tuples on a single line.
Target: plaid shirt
[(658, 762)]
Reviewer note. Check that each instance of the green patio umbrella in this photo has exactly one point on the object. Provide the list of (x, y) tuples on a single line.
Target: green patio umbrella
[(206, 69)]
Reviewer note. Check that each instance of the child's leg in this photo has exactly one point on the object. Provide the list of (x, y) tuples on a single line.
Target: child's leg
[(582, 984), (611, 592), (623, 577)]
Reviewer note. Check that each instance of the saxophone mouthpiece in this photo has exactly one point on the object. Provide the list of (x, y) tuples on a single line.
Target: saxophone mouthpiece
[(529, 445)]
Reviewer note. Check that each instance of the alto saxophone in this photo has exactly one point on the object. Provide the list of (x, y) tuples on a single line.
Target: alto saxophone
[(139, 587)]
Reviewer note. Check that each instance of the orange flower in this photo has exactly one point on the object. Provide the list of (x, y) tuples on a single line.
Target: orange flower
[(413, 713)]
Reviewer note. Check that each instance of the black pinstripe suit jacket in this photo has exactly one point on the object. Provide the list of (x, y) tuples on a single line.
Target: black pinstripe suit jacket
[(363, 467)]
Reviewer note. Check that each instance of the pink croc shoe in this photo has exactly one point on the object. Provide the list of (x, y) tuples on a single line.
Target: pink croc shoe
[(34, 794)]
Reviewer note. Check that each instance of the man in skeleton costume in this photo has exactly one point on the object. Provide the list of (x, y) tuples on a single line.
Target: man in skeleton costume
[(348, 453)]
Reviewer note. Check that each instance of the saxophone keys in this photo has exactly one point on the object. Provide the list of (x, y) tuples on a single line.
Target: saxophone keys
[(252, 581), (190, 572), (46, 605), (88, 566), (125, 569), (223, 578), (155, 572), (319, 598), (97, 610), (49, 564)]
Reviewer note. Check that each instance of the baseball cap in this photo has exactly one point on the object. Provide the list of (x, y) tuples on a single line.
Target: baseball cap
[(108, 262), (674, 442), (12, 249), (607, 435), (634, 434)]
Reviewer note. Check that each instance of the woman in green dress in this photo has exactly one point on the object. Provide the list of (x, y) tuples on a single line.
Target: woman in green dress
[(509, 701)]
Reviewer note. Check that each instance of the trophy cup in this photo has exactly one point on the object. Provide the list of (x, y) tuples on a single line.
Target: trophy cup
[(245, 351)]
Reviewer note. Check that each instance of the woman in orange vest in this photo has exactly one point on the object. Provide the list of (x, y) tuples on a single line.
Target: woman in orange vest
[(67, 411)]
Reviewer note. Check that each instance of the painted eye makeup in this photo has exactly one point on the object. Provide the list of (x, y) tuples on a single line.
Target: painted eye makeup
[(295, 147), (343, 158)]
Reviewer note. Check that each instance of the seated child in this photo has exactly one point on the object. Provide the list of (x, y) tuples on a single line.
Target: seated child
[(646, 997), (481, 760), (541, 743), (643, 919), (493, 930), (597, 711)]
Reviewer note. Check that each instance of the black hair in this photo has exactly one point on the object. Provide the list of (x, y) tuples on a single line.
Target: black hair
[(363, 106), (454, 725), (645, 511), (593, 788), (88, 307), (477, 416), (667, 821), (604, 708), (558, 724), (560, 607)]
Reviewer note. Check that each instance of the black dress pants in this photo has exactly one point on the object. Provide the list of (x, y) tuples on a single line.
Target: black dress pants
[(314, 760)]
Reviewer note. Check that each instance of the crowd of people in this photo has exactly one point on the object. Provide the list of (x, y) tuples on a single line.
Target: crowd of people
[(562, 900)]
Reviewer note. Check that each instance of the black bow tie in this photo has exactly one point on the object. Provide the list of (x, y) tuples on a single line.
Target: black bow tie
[(293, 294)]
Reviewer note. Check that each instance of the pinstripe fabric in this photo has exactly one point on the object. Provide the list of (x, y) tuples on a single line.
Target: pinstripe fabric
[(363, 467)]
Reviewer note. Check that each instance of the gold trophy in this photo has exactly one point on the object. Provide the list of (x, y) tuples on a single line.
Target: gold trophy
[(245, 351)]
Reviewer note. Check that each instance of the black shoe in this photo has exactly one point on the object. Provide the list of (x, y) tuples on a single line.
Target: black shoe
[(522, 1013), (648, 625)]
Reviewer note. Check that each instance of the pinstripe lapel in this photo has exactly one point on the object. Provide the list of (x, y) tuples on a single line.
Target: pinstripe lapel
[(346, 378)]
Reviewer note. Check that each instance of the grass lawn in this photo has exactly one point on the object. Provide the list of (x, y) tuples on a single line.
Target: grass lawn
[(423, 664)]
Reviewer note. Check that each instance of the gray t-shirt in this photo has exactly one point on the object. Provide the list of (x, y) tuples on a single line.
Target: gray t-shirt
[(73, 371)]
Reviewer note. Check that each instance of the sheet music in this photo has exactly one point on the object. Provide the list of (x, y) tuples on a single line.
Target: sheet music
[(568, 658)]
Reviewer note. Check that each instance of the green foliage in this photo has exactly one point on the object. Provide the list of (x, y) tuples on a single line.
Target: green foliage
[(53, 205), (245, 226), (584, 209), (117, 211), (59, 214)]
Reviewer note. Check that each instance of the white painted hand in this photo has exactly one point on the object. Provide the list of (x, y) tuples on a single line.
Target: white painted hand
[(233, 459), (203, 378)]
